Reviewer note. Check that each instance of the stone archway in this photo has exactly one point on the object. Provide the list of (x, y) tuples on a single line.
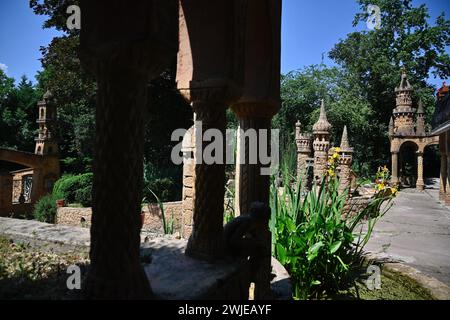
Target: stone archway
[(41, 171), (431, 166), (408, 164)]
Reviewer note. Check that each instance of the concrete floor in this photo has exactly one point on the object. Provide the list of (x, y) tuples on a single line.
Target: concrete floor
[(416, 231)]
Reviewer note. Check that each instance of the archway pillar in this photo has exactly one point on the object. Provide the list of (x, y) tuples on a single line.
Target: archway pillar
[(394, 169), (210, 77), (124, 47), (443, 167), (420, 185), (446, 154)]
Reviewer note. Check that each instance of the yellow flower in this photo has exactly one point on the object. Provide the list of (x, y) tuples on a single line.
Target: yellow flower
[(337, 149), (394, 191), (335, 156)]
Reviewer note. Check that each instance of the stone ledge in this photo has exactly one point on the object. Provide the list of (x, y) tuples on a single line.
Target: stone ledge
[(37, 234), (436, 288), (173, 275)]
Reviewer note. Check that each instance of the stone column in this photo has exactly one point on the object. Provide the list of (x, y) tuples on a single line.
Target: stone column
[(205, 241), (447, 185), (420, 185), (394, 169), (443, 169), (123, 46), (251, 184), (446, 145), (210, 76), (188, 149)]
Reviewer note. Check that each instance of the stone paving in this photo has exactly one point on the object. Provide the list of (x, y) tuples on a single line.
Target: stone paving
[(416, 231)]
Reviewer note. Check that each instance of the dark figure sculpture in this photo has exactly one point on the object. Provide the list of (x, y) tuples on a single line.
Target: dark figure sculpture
[(242, 235)]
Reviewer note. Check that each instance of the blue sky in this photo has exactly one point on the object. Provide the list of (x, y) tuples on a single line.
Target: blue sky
[(309, 31)]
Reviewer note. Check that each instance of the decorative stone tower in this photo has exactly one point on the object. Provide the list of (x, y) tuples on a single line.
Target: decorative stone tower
[(321, 144), (304, 149), (404, 113), (407, 126), (345, 163), (420, 120), (46, 143)]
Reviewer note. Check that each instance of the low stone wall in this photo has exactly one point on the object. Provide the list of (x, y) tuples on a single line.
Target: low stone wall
[(173, 275), (355, 205), (81, 217)]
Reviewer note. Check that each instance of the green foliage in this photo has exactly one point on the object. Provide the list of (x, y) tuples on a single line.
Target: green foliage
[(84, 196), (168, 226), (45, 209), (374, 58), (74, 188), (229, 213), (18, 113), (313, 240), (163, 188)]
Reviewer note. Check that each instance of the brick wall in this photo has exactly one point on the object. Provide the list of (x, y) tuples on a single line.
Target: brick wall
[(153, 217)]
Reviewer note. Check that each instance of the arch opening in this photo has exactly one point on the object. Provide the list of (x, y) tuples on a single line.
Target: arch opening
[(408, 164)]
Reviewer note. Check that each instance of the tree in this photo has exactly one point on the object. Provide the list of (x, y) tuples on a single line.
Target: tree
[(404, 40), (18, 113)]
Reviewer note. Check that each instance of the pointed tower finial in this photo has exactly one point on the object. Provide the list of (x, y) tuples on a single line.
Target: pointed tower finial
[(345, 145), (391, 126), (322, 125), (323, 114), (404, 83), (420, 108)]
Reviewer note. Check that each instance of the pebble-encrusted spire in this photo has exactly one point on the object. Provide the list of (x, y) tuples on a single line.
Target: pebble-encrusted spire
[(322, 125), (420, 108), (345, 145), (404, 83)]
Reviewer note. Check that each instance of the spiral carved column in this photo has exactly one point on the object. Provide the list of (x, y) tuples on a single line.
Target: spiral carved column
[(205, 241)]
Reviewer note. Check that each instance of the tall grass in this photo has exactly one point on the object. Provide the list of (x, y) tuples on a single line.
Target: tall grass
[(168, 226), (313, 240)]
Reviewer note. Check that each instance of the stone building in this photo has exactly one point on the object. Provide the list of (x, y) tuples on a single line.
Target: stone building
[(25, 177), (407, 134), (313, 150), (441, 129)]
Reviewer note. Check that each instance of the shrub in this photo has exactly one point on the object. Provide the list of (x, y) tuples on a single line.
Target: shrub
[(74, 188), (84, 196), (45, 209), (313, 240)]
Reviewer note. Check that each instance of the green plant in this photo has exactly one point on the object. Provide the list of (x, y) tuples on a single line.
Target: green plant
[(229, 213), (164, 188), (74, 188), (311, 237), (168, 227), (84, 196), (45, 209)]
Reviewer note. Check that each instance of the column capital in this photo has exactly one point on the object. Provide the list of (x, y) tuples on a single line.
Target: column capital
[(258, 109), (223, 91)]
